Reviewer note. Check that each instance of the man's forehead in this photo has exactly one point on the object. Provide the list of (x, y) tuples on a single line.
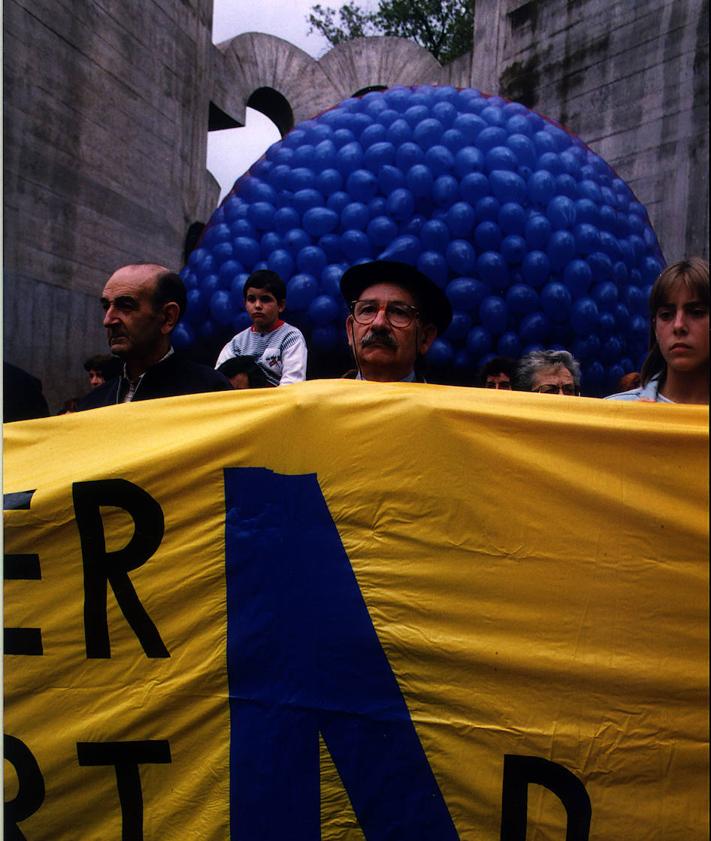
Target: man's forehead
[(554, 372), (387, 292), (131, 281)]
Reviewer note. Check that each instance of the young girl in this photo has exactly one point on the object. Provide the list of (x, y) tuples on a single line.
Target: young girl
[(676, 369)]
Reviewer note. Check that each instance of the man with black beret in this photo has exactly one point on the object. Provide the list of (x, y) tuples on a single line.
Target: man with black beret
[(396, 313)]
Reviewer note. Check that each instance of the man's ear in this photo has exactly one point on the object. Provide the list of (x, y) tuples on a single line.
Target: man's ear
[(427, 335), (171, 316), (282, 306), (349, 330)]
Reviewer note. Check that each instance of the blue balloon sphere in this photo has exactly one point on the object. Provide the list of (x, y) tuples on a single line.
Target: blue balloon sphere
[(490, 199)]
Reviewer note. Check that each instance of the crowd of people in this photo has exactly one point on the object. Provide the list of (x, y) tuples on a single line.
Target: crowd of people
[(395, 314)]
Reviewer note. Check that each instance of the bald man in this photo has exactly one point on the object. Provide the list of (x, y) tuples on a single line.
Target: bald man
[(142, 304)]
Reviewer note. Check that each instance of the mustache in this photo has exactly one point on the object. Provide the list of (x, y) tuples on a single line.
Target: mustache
[(378, 337)]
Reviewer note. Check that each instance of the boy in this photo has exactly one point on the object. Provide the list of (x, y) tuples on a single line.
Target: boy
[(278, 348)]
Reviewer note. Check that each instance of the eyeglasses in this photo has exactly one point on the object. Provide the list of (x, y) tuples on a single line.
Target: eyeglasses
[(396, 313), (567, 389)]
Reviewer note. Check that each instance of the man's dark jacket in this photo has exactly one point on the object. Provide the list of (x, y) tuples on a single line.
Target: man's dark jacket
[(169, 378)]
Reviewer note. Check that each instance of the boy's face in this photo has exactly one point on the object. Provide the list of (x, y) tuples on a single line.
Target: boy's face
[(263, 308)]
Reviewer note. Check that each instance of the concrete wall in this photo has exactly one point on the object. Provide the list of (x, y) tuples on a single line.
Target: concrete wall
[(106, 118), (630, 77)]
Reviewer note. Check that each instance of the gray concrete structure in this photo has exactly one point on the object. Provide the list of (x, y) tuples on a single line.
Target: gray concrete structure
[(108, 105)]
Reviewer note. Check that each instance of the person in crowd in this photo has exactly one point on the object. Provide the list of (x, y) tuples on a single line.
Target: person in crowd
[(396, 313), (548, 372), (676, 369), (22, 396), (629, 381), (243, 372), (278, 347), (69, 406), (498, 373), (142, 305), (101, 367)]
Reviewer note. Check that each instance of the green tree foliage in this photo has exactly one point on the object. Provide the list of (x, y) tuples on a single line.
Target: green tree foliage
[(444, 27)]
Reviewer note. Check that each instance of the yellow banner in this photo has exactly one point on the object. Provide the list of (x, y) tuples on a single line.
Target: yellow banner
[(347, 610)]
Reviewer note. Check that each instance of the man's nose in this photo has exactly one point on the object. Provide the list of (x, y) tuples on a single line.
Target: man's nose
[(109, 316), (381, 319)]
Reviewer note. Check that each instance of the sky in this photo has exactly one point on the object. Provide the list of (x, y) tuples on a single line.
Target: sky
[(232, 151)]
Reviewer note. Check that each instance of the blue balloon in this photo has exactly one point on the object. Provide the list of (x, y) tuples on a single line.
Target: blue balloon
[(400, 204), (461, 257), (434, 235), (355, 215), (561, 212), (404, 249), (459, 327), (445, 190), (493, 314), (512, 218), (311, 260), (561, 249), (433, 265), (381, 230), (408, 155), (513, 248), (323, 310), (440, 160), (307, 198), (183, 336), (419, 180), (246, 250), (329, 181), (301, 291), (319, 221), (220, 307), (509, 345), (493, 270), (537, 232), (460, 219), (478, 342), (578, 277), (440, 354), (605, 295), (466, 294), (490, 137), (285, 219), (536, 269), (501, 159), (507, 186), (534, 328), (556, 302), (355, 245), (379, 154), (427, 132), (362, 185), (487, 236), (584, 316), (281, 262), (487, 209), (521, 299), (295, 240), (473, 187)]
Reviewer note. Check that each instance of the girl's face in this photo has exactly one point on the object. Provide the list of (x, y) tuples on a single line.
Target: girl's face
[(681, 325)]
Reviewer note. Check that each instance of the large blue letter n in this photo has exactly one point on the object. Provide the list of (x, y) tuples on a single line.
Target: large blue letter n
[(303, 658)]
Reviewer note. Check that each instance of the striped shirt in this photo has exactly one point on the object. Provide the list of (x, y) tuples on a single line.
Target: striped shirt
[(280, 353)]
